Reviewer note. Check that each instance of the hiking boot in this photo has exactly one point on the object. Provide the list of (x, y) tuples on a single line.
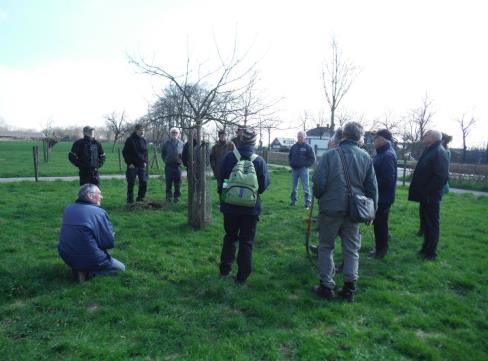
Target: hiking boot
[(348, 291), (323, 292)]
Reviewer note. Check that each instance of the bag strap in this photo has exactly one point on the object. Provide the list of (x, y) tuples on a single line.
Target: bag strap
[(237, 154), (252, 158), (344, 168)]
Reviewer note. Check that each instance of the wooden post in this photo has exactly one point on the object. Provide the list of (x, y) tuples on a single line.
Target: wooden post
[(44, 149), (190, 178), (120, 161), (35, 156)]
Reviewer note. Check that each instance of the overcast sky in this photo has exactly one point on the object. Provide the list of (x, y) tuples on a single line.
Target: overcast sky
[(67, 60)]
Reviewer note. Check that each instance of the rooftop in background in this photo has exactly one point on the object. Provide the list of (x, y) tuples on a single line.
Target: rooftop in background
[(19, 134)]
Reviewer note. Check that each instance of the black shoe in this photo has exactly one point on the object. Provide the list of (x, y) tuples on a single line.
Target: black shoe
[(139, 199), (307, 207), (348, 291), (238, 281), (431, 257), (323, 292), (380, 254), (292, 204), (176, 200)]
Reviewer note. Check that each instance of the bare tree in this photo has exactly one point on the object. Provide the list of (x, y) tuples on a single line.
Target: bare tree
[(465, 127), (213, 95), (338, 75), (117, 124)]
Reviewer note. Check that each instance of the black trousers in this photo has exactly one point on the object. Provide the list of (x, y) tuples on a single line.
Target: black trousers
[(430, 219), (242, 229), (131, 175), (89, 176), (173, 176), (381, 227)]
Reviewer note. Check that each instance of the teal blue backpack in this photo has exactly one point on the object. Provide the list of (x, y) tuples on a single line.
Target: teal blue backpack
[(241, 189)]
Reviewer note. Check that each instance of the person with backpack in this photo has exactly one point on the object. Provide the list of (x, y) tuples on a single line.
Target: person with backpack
[(243, 177)]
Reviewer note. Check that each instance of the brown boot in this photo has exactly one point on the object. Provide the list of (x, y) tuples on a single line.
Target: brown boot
[(348, 291)]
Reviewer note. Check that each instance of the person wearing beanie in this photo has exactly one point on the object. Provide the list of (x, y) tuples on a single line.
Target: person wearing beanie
[(385, 167), (240, 222)]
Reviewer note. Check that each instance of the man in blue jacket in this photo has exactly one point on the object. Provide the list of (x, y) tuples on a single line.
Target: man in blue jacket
[(300, 158), (171, 154), (239, 221), (86, 235), (385, 168)]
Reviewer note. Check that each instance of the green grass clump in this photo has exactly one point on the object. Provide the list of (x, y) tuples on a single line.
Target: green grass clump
[(171, 304)]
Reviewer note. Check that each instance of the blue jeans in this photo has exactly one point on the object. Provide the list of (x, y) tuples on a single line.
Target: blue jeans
[(301, 173), (115, 266)]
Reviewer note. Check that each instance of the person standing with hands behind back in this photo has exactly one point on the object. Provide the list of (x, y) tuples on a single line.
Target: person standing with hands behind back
[(135, 155)]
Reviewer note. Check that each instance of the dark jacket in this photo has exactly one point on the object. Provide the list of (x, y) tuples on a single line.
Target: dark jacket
[(226, 167), (430, 175), (217, 154), (86, 234), (301, 155), (171, 152), (87, 154), (135, 150), (385, 168), (329, 182), (196, 153)]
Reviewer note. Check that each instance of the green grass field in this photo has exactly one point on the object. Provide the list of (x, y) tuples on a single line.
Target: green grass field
[(16, 160), (171, 304)]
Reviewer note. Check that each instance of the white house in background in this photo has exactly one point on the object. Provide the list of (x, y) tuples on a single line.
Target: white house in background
[(282, 143), (319, 138)]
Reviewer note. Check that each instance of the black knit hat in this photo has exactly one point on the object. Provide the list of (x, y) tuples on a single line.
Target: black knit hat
[(385, 133), (248, 137)]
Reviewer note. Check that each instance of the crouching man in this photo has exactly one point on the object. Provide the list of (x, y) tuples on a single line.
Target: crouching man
[(86, 235)]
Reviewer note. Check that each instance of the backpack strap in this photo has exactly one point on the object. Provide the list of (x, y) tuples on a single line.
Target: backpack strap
[(237, 154)]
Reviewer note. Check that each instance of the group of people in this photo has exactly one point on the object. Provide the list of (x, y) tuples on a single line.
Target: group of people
[(87, 233)]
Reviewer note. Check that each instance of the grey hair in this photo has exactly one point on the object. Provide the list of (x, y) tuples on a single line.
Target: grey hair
[(337, 137), (353, 131), (302, 133), (435, 134), (85, 189), (174, 129)]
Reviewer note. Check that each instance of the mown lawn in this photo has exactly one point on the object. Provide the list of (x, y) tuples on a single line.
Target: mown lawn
[(16, 160), (171, 304)]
